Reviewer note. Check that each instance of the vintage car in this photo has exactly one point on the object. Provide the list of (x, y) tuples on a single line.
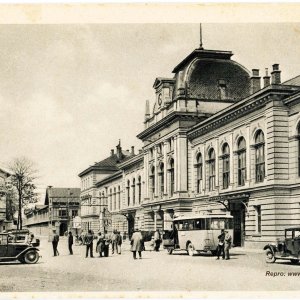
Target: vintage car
[(19, 245), (288, 249)]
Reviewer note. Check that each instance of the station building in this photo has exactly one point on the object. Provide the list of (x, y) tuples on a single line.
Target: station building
[(218, 138)]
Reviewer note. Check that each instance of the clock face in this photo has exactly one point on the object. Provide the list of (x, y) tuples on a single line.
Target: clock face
[(159, 99)]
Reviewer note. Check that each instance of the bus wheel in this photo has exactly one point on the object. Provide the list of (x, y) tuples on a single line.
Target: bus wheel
[(190, 249)]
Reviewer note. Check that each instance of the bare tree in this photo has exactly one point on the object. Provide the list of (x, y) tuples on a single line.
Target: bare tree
[(22, 180)]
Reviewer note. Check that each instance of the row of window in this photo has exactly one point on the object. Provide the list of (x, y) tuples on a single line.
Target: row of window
[(160, 147), (241, 165), (161, 180), (134, 191)]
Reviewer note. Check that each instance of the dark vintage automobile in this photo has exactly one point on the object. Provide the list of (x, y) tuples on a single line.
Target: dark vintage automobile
[(288, 249), (19, 245)]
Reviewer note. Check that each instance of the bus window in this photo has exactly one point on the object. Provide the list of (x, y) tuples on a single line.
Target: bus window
[(221, 224), (200, 224), (180, 225), (191, 224), (214, 224)]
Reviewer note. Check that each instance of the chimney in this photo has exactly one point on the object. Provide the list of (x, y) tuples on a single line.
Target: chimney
[(276, 74), (147, 111), (267, 79), (255, 81), (119, 151), (132, 150), (111, 152)]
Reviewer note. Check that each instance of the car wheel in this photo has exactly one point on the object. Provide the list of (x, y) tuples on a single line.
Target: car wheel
[(31, 257), (170, 251), (190, 249), (294, 261), (270, 258)]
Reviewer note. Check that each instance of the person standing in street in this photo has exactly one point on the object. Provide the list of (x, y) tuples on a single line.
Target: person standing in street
[(113, 239), (70, 242), (119, 242), (55, 240), (227, 240), (220, 248), (157, 240), (89, 244), (107, 241), (100, 245), (137, 243)]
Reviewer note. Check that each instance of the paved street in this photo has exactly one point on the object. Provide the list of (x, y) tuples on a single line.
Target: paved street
[(156, 271)]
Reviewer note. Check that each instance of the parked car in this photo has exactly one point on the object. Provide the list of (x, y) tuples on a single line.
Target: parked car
[(288, 249), (19, 245)]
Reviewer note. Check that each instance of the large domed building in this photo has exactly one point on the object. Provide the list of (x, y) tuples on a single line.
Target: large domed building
[(216, 140)]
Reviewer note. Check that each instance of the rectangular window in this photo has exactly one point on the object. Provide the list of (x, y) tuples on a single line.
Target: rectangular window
[(226, 172), (260, 163), (258, 218), (242, 168), (62, 213)]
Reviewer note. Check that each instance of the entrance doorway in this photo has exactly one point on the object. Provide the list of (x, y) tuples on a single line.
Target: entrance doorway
[(237, 210), (130, 219), (63, 227)]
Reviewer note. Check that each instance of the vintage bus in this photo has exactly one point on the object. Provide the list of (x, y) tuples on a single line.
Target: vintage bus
[(197, 233)]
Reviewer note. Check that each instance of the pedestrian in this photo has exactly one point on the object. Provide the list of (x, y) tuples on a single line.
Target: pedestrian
[(70, 242), (227, 240), (100, 245), (137, 243), (119, 242), (55, 240), (220, 248), (89, 243), (157, 240), (107, 241), (113, 239)]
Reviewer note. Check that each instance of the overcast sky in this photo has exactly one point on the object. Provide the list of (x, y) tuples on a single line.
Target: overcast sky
[(68, 93)]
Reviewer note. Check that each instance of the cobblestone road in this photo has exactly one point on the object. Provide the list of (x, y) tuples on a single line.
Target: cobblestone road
[(156, 271)]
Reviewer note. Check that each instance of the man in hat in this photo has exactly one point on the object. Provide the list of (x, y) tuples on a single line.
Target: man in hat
[(227, 240), (55, 240)]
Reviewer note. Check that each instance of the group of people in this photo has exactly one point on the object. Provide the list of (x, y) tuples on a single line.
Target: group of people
[(102, 243), (224, 244)]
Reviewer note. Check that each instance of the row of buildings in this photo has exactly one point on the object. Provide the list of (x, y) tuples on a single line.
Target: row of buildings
[(218, 138)]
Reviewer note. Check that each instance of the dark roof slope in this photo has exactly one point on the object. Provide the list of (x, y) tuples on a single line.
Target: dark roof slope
[(108, 164), (293, 81), (63, 192)]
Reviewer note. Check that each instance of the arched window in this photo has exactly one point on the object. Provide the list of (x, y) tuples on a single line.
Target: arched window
[(152, 182), (241, 161), (226, 166), (171, 176), (115, 199), (211, 169), (199, 172), (110, 199), (139, 190), (260, 156), (128, 192), (133, 191), (161, 179), (119, 197)]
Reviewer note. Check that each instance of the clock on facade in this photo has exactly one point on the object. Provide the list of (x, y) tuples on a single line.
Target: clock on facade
[(159, 100)]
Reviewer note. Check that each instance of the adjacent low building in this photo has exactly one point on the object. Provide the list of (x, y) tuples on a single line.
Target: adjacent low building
[(61, 206)]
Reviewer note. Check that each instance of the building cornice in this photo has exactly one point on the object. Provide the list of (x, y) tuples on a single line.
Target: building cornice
[(132, 161), (240, 109), (169, 119), (109, 178)]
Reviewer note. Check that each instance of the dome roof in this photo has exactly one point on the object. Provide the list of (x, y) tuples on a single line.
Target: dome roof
[(206, 76), (212, 75)]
